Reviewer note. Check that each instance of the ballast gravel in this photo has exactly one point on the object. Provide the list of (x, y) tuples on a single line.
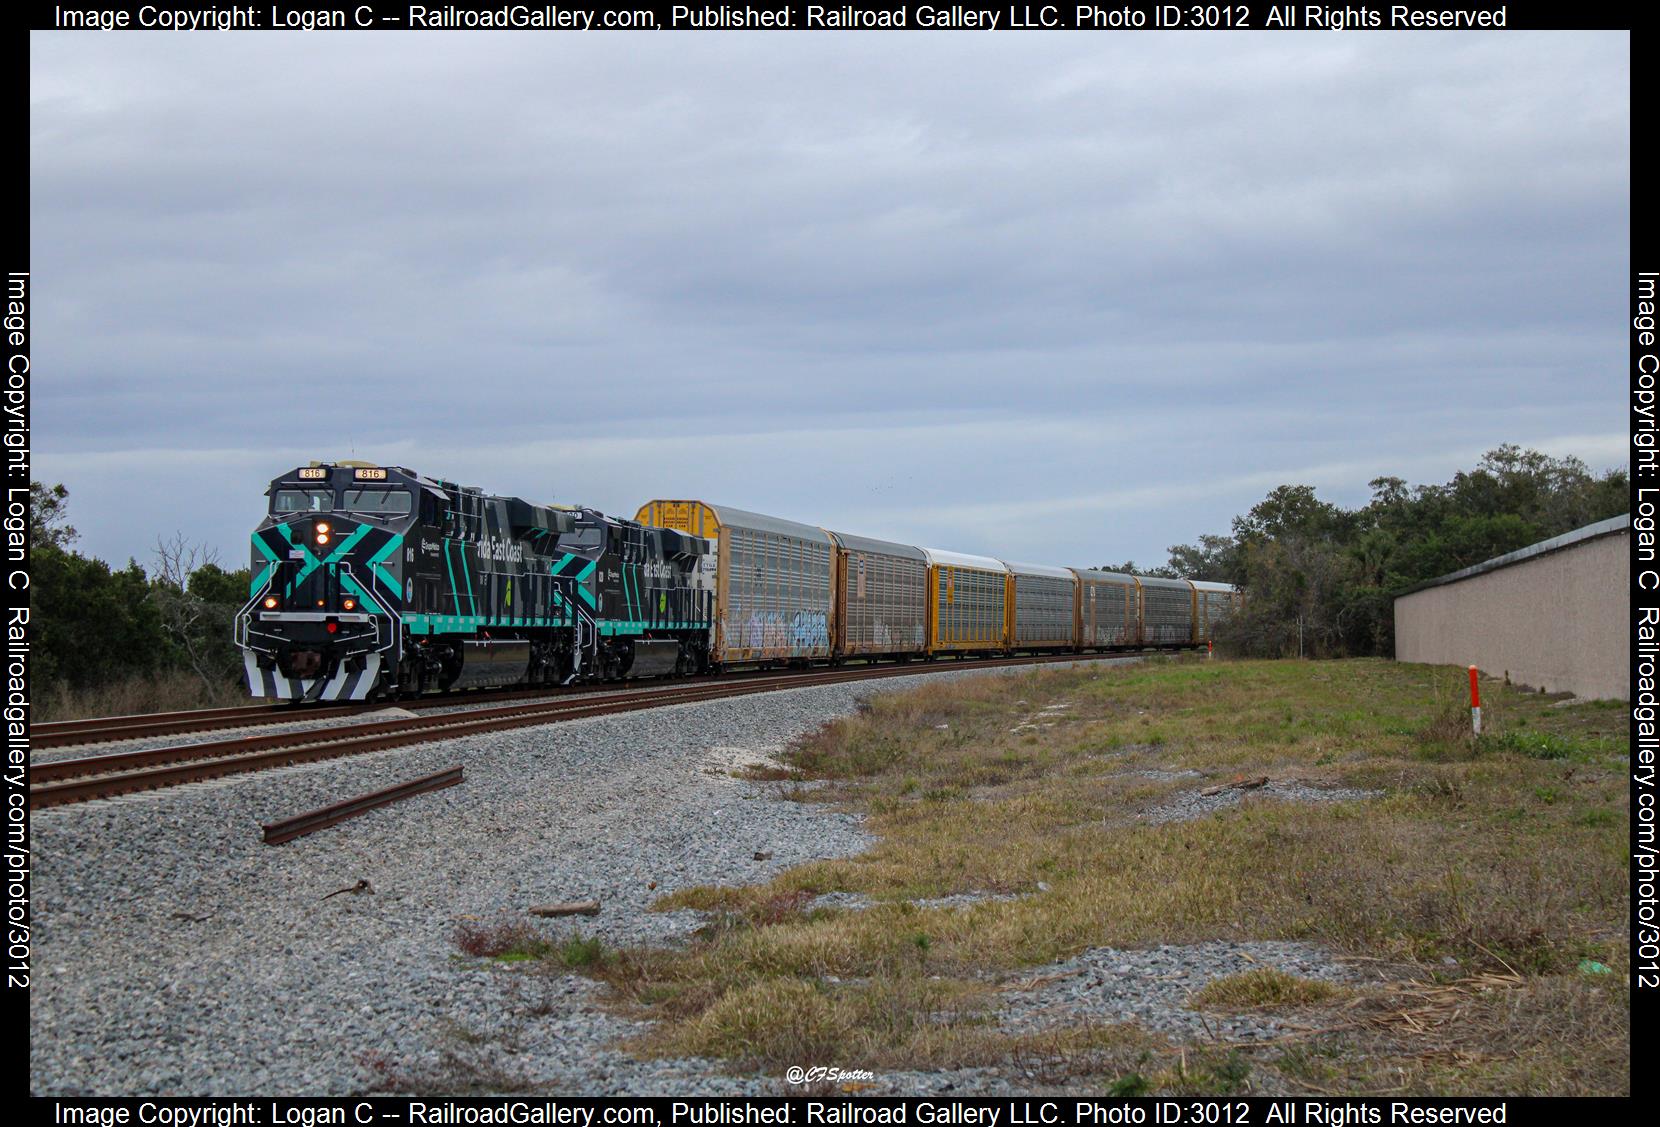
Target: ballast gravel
[(1152, 988), (176, 954), (1196, 804)]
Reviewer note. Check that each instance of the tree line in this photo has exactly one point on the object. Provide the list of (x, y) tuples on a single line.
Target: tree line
[(1321, 580), (1318, 579), (99, 624)]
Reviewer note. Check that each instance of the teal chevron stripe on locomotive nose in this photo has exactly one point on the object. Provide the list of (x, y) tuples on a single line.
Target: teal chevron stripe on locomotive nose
[(313, 563), (376, 560), (259, 581), (586, 595)]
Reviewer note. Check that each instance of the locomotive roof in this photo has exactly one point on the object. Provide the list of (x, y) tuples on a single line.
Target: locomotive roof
[(403, 472), (674, 541)]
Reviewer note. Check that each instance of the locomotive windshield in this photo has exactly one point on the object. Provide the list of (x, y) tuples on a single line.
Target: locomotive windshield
[(394, 502), (302, 501), (587, 537)]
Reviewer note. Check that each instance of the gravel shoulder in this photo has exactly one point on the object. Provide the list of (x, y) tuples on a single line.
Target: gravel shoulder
[(176, 954)]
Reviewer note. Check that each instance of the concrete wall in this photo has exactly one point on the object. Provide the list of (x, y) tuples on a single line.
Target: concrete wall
[(1558, 621)]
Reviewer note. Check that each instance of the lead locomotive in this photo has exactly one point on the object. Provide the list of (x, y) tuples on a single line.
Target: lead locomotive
[(375, 581)]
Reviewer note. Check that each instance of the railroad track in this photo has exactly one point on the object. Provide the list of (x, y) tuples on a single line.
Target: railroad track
[(110, 729), (103, 776)]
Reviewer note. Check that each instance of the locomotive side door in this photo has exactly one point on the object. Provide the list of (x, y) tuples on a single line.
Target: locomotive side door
[(426, 590)]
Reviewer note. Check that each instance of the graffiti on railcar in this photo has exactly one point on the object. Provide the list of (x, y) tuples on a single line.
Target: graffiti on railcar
[(773, 633), (810, 630)]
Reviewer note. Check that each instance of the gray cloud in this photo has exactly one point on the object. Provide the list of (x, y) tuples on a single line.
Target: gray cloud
[(1068, 297)]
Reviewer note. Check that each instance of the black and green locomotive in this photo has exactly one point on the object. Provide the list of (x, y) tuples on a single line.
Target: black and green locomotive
[(373, 581)]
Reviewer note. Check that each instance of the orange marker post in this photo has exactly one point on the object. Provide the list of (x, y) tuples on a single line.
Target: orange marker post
[(1475, 700)]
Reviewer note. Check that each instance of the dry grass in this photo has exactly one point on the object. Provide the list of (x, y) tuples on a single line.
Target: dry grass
[(1483, 858), (1265, 988), (171, 692)]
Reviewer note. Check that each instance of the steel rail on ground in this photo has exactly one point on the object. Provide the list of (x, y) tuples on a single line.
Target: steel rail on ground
[(287, 829)]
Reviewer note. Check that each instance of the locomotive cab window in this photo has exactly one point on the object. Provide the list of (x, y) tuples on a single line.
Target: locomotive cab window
[(386, 502), (581, 538), (302, 501)]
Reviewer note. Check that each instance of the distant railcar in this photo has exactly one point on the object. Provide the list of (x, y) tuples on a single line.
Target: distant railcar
[(968, 601), (1167, 611), (1042, 607), (1108, 610), (881, 599), (1212, 603)]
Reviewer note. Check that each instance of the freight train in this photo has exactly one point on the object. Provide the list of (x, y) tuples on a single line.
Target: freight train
[(374, 581)]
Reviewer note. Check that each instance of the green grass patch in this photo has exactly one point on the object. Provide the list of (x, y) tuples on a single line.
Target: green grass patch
[(509, 940), (1548, 745), (1501, 856)]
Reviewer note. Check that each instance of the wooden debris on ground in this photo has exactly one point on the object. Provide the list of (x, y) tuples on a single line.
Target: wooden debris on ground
[(1241, 783)]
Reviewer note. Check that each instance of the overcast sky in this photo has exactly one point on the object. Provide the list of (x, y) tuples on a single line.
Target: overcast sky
[(1066, 298)]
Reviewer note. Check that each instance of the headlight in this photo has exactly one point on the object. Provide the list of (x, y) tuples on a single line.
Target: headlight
[(350, 604), (270, 602)]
